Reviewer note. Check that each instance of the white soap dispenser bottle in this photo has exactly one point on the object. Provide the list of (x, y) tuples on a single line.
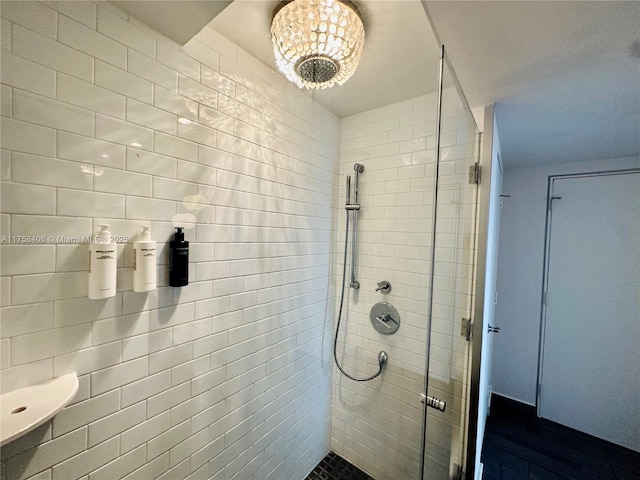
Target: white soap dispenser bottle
[(144, 262), (103, 255)]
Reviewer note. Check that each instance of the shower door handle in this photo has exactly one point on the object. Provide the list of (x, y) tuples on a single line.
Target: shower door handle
[(491, 329), (433, 402)]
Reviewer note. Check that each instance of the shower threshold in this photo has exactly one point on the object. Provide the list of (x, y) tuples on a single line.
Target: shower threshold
[(334, 467)]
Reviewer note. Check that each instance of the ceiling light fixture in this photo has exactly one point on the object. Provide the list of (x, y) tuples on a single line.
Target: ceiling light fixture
[(317, 43)]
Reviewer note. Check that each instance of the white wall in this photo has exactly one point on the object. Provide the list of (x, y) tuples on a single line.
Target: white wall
[(520, 264), (228, 377)]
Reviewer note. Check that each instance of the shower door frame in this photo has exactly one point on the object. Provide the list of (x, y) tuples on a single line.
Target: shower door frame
[(481, 231), (431, 279)]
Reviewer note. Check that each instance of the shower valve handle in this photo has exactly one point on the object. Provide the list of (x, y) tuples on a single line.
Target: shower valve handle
[(386, 319), (384, 287)]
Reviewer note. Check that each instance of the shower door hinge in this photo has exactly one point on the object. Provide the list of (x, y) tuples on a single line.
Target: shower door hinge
[(459, 472), (474, 173), (466, 329)]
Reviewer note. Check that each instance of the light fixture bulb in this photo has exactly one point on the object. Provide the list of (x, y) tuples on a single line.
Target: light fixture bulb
[(317, 43)]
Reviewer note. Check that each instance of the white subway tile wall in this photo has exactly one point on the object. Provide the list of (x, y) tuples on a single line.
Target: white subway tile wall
[(377, 425), (229, 377)]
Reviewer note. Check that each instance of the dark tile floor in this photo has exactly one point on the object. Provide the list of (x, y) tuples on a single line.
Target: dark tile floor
[(519, 446), (334, 467)]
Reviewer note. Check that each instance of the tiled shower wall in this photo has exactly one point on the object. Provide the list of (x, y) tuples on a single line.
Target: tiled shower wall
[(377, 424), (229, 377)]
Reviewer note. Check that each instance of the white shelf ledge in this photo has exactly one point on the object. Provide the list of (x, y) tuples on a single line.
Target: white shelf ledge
[(23, 410)]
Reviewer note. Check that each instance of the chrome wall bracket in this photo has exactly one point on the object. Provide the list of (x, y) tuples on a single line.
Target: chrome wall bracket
[(384, 286)]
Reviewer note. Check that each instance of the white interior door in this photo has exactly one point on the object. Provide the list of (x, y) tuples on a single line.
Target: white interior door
[(590, 378)]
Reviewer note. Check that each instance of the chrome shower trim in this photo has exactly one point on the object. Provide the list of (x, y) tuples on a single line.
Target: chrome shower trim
[(355, 207)]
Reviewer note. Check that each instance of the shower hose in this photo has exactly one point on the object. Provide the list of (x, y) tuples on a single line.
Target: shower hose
[(381, 358)]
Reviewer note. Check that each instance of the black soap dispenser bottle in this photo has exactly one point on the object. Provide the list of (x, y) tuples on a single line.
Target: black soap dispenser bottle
[(178, 260)]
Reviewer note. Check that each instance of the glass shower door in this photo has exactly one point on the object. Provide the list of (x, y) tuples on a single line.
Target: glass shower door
[(450, 304)]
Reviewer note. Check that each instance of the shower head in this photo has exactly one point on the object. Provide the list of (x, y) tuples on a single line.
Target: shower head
[(358, 167)]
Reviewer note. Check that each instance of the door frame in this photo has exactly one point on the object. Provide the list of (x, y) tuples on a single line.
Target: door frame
[(545, 266), (482, 234)]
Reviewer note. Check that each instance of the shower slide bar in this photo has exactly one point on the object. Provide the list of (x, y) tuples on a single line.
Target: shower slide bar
[(354, 207)]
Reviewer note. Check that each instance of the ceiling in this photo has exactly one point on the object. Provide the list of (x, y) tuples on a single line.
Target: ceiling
[(178, 20), (396, 64), (565, 76)]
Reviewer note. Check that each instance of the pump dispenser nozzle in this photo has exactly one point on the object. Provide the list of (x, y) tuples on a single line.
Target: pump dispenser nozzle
[(145, 234), (178, 259), (104, 235)]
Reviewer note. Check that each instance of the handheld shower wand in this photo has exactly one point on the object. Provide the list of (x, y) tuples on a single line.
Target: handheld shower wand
[(354, 207)]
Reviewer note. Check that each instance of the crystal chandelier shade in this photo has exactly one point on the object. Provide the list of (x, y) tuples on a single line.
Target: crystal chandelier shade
[(317, 43)]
